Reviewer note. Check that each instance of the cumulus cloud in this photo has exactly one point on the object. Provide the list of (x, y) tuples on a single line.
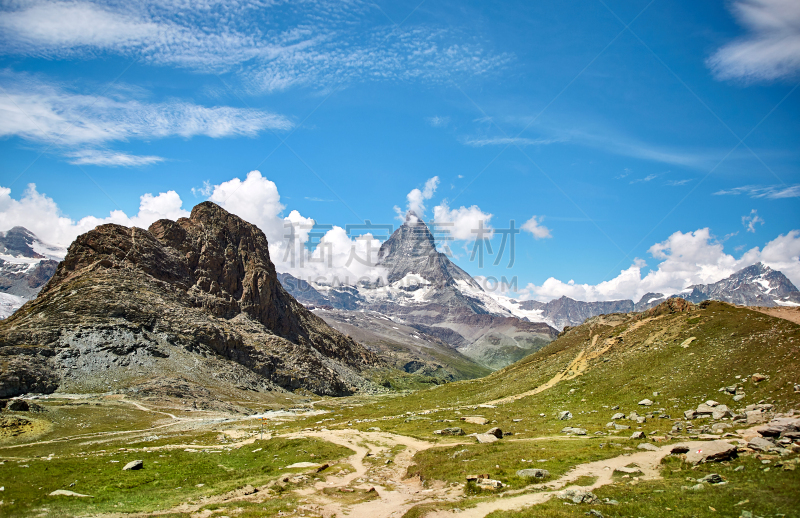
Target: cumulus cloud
[(463, 223), (41, 215), (336, 258), (685, 259), (535, 227), (416, 198), (751, 220), (771, 47)]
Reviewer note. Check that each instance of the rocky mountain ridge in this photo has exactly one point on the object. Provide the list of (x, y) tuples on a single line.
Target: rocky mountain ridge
[(198, 297)]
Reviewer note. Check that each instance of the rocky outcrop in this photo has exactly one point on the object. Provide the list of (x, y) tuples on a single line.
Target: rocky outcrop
[(198, 297)]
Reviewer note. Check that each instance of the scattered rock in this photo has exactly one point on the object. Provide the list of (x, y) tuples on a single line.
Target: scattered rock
[(573, 431), (621, 427), (533, 473), (578, 496), (689, 414), (64, 492), (647, 446), (757, 377), (474, 419), (450, 431), (712, 478), (645, 402), (638, 436), (565, 415), (488, 483), (133, 465), (618, 415), (712, 403), (760, 444)]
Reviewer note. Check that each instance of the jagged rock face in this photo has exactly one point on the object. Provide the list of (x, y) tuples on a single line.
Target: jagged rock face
[(202, 289), (411, 249)]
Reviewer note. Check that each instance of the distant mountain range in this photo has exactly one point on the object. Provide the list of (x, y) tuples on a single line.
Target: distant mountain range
[(430, 317)]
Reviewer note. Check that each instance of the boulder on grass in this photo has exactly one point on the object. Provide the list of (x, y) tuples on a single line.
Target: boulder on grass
[(710, 451), (133, 465)]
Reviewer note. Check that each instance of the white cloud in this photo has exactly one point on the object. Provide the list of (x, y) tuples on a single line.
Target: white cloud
[(463, 223), (328, 42), (772, 192), (750, 220), (509, 141), (438, 122), (39, 213), (686, 259), (41, 112), (204, 191), (254, 199), (770, 50), (536, 228), (336, 256), (416, 198), (110, 158), (647, 178)]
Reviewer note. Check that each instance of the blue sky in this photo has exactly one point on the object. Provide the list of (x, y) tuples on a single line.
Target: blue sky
[(657, 139)]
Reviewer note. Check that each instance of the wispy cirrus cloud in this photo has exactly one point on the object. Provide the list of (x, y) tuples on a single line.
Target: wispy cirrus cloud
[(678, 183), (771, 48), (324, 42), (772, 192), (505, 141), (110, 158), (74, 123)]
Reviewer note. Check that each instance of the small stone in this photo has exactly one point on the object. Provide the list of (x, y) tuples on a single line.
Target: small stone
[(449, 431), (712, 478), (645, 402), (618, 415), (711, 403), (64, 492), (533, 473), (565, 415), (133, 465), (757, 377), (738, 397), (475, 419), (638, 436), (621, 427), (647, 446)]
